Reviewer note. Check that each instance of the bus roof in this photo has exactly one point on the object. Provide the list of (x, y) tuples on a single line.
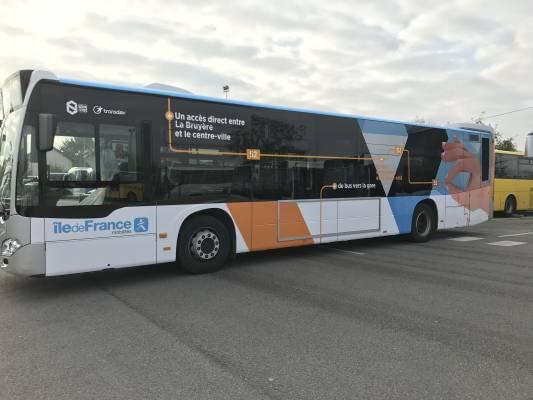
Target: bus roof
[(162, 92)]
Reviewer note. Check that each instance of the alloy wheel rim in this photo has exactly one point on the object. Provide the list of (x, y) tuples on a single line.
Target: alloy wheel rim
[(204, 244)]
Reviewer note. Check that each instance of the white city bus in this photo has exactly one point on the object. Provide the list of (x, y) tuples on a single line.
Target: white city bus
[(96, 176)]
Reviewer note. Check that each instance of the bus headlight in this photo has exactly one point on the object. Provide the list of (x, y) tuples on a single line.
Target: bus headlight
[(9, 246)]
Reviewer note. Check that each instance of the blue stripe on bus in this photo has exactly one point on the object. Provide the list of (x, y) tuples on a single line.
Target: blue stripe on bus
[(236, 102)]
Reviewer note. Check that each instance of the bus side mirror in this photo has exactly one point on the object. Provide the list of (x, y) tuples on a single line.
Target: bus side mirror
[(47, 130)]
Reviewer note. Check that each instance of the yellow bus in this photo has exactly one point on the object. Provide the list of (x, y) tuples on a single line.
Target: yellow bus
[(513, 183)]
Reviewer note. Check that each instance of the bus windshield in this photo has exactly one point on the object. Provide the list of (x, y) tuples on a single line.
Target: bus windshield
[(1, 107), (90, 164), (11, 95), (8, 136)]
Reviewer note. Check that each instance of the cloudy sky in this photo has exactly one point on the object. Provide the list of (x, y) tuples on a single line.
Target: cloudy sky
[(444, 62)]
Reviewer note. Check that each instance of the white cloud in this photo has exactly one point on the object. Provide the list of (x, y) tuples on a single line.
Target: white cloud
[(445, 61)]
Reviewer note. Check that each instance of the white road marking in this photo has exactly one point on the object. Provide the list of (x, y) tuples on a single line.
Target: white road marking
[(349, 251), (517, 234), (466, 238), (506, 243)]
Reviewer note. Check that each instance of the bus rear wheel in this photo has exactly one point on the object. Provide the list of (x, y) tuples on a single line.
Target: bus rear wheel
[(203, 245), (510, 206), (423, 224)]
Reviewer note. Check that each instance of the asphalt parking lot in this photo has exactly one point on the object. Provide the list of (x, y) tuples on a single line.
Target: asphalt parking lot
[(371, 319)]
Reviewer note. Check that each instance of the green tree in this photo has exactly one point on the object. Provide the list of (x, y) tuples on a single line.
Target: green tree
[(78, 149), (502, 143)]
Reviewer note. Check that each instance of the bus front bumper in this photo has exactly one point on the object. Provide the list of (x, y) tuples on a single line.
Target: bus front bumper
[(28, 260)]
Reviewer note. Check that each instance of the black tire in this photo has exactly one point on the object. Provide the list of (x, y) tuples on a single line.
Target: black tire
[(204, 245), (510, 206), (423, 224)]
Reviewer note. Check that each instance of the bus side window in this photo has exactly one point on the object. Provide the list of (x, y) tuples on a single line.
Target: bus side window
[(525, 168), (485, 160), (506, 166)]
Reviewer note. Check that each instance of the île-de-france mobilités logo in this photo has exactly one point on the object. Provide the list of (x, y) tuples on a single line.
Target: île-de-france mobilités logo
[(140, 225)]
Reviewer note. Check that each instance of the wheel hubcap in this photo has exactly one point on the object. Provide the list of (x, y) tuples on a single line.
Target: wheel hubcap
[(204, 244)]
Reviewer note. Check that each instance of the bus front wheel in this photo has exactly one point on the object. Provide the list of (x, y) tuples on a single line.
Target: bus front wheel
[(423, 224), (510, 206), (203, 245)]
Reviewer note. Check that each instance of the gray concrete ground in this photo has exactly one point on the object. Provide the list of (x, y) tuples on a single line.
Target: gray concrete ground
[(371, 319)]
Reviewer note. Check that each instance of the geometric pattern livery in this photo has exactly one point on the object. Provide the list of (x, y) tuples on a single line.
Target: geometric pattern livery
[(382, 139)]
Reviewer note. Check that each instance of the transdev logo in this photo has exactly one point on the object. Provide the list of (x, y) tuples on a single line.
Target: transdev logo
[(98, 109), (139, 225)]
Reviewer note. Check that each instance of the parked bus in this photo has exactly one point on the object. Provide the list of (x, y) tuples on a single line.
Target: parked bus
[(96, 176), (513, 183)]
